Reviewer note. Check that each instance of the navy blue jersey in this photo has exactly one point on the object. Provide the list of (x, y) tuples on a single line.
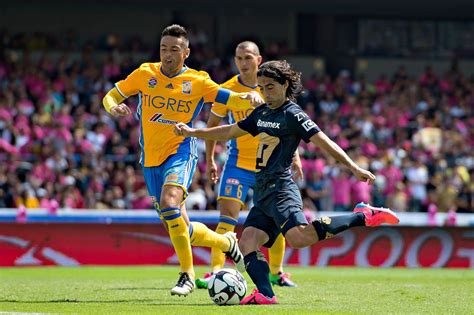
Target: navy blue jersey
[(280, 131)]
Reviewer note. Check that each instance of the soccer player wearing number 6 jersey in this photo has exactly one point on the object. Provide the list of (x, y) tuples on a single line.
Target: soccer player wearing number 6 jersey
[(280, 125), (170, 92), (238, 175)]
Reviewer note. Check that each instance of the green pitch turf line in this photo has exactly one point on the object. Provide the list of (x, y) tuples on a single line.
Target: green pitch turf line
[(145, 290)]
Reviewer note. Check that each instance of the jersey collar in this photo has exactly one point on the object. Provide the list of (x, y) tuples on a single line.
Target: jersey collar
[(182, 70), (242, 82)]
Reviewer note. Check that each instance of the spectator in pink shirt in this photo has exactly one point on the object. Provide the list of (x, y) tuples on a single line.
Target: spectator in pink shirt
[(64, 116), (383, 85), (141, 200), (341, 190), (393, 175), (360, 192)]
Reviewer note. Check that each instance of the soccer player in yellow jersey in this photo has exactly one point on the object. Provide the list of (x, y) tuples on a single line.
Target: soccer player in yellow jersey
[(170, 92), (238, 175)]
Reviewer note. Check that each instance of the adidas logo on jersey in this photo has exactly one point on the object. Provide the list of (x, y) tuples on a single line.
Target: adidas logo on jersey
[(169, 86)]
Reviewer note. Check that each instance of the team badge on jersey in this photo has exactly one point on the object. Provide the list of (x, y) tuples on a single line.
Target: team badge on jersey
[(152, 83), (187, 87)]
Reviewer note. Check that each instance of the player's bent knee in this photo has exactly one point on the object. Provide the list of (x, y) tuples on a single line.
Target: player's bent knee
[(246, 245), (171, 196), (251, 240), (230, 208), (295, 238)]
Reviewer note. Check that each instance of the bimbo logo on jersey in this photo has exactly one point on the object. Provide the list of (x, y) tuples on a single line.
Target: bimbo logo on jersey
[(268, 124), (152, 82)]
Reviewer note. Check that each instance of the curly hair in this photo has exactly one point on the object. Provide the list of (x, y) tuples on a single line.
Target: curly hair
[(281, 71), (176, 30)]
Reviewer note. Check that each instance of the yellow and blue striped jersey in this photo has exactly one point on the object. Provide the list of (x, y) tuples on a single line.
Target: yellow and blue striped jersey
[(164, 101), (242, 151)]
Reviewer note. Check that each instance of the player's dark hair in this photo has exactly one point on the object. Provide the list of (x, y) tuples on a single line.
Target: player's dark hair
[(176, 30), (281, 71)]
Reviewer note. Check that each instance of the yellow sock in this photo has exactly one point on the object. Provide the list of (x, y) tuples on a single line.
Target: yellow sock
[(226, 224), (201, 235), (276, 254), (178, 231)]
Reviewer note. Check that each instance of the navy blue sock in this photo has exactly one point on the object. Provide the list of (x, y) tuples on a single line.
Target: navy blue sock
[(258, 270)]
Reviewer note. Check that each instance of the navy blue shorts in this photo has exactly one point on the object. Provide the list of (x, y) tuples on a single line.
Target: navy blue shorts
[(277, 212)]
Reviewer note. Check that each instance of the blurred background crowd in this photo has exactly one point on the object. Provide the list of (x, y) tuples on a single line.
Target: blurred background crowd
[(59, 148)]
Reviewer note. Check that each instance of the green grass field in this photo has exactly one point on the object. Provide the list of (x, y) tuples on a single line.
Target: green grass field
[(145, 290)]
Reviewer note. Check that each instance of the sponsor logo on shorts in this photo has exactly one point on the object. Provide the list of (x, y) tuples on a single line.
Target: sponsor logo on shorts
[(284, 223), (232, 181), (172, 178), (155, 204)]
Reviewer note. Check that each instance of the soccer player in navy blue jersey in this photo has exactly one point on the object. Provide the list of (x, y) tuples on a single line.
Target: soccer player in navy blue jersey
[(280, 124)]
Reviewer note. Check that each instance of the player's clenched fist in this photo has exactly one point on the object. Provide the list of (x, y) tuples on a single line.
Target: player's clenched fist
[(120, 110), (364, 175), (181, 129)]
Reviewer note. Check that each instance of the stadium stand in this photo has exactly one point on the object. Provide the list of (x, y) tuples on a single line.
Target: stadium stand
[(59, 148)]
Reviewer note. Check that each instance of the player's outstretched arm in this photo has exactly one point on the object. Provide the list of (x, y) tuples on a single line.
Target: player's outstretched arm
[(253, 97), (219, 133), (211, 167), (297, 166), (320, 139), (113, 103)]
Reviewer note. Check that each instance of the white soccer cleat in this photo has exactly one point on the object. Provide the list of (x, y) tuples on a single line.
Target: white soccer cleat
[(184, 286), (234, 251)]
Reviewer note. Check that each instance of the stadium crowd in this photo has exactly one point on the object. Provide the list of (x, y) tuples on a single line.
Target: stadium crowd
[(59, 148)]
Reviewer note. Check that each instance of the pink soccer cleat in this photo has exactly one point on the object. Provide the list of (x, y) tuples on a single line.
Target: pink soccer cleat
[(376, 216), (258, 298)]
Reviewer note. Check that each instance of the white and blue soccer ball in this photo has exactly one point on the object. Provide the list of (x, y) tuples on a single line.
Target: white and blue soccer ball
[(227, 287)]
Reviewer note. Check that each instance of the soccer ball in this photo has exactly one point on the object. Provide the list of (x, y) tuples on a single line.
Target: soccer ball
[(227, 287)]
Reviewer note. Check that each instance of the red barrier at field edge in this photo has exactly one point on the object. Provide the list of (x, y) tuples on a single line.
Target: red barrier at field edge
[(41, 244)]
